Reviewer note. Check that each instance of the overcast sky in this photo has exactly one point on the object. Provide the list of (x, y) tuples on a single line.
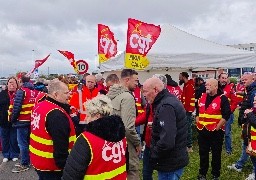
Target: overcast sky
[(48, 25)]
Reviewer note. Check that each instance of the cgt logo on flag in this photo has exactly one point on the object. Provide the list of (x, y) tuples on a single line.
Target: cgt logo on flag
[(140, 38), (107, 45)]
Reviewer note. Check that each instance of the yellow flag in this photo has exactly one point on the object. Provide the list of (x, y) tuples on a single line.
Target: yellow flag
[(136, 61)]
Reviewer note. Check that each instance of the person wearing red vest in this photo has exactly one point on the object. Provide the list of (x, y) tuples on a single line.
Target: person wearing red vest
[(188, 100), (240, 90), (212, 113), (100, 151), (229, 92), (173, 87), (20, 117), (52, 132), (139, 100), (80, 97), (250, 115)]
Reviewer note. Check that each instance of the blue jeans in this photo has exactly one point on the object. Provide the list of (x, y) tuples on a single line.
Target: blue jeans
[(253, 159), (228, 134), (243, 158), (173, 175), (189, 120), (23, 142), (10, 148), (147, 167)]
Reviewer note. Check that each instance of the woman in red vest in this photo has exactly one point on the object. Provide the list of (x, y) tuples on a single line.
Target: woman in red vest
[(100, 151)]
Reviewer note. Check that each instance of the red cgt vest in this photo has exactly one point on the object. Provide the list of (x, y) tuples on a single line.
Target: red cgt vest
[(227, 90), (41, 144), (210, 117), (107, 158), (28, 104), (137, 95)]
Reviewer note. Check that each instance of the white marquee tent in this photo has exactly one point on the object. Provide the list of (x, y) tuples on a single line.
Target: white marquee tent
[(178, 49)]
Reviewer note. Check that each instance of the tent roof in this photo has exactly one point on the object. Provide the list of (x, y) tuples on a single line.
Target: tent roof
[(176, 48)]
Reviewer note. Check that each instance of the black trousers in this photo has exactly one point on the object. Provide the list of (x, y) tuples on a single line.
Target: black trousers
[(210, 141), (52, 175)]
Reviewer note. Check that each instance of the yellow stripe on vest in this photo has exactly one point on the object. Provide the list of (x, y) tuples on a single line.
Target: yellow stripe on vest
[(25, 112), (40, 153), (27, 105), (107, 175), (41, 140), (205, 123), (210, 116), (47, 141)]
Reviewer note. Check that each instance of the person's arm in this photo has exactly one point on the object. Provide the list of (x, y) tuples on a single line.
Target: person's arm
[(128, 115), (141, 118), (225, 112), (58, 127), (234, 100), (17, 106), (190, 99), (168, 131), (78, 160)]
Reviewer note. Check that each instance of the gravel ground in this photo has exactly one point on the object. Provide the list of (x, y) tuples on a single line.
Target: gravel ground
[(6, 172)]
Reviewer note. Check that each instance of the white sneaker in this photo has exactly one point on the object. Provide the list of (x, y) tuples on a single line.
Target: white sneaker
[(233, 166), (15, 159), (5, 160), (251, 177)]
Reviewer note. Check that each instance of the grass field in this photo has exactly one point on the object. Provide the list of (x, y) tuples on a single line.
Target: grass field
[(191, 171)]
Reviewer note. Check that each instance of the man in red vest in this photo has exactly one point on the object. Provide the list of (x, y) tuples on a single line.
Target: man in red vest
[(52, 132), (79, 98), (188, 100), (212, 113), (20, 117), (229, 91)]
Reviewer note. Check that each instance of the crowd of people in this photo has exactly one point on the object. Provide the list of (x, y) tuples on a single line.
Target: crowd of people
[(92, 130)]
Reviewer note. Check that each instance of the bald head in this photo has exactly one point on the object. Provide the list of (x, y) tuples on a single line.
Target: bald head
[(248, 79), (211, 86), (90, 82), (151, 88)]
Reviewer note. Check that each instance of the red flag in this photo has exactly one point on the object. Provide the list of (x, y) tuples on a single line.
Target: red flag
[(71, 58), (141, 36), (38, 63), (107, 45)]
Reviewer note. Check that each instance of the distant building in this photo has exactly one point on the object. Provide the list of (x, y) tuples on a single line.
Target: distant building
[(237, 72), (247, 47)]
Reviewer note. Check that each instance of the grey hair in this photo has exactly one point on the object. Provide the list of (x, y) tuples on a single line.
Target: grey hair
[(99, 105), (162, 77), (54, 85)]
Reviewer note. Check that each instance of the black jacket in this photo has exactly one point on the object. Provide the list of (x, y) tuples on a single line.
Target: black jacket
[(4, 106), (110, 128), (169, 133), (247, 102), (58, 127)]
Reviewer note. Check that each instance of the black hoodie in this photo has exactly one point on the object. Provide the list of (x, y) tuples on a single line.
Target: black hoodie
[(110, 128)]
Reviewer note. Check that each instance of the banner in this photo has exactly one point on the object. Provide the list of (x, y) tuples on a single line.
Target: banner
[(107, 45), (71, 58), (140, 38)]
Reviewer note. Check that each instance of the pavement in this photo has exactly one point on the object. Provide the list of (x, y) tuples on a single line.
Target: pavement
[(6, 171)]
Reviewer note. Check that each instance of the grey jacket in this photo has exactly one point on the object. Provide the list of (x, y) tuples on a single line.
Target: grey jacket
[(123, 104)]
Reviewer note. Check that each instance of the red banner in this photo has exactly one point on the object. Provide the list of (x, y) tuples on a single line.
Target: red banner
[(71, 58), (140, 38), (107, 45)]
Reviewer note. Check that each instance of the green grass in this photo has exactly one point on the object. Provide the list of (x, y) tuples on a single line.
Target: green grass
[(191, 171)]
